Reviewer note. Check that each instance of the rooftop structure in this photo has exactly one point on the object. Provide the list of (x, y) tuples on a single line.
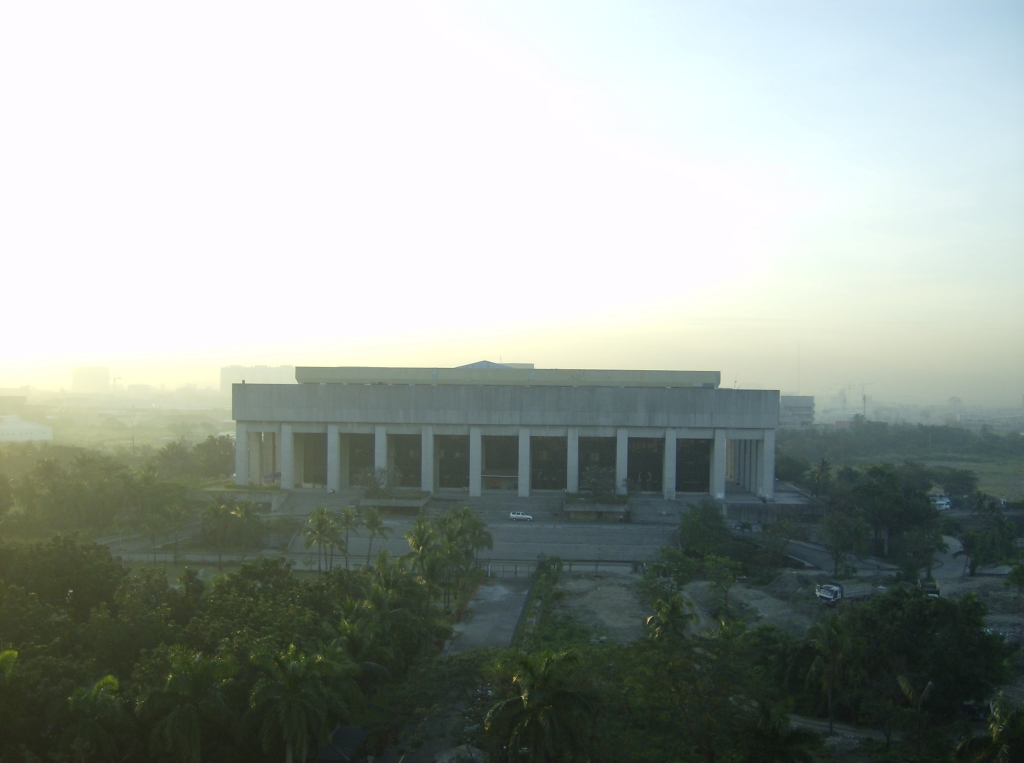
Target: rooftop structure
[(13, 429)]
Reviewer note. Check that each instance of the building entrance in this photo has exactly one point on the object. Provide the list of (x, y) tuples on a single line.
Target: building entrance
[(452, 456), (597, 464), (404, 456), (693, 466), (548, 461), (360, 459), (646, 464), (500, 463)]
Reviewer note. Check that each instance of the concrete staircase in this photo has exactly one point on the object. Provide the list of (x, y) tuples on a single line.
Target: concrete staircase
[(301, 502)]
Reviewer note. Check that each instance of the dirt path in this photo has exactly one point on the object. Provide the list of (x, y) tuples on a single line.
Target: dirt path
[(606, 603)]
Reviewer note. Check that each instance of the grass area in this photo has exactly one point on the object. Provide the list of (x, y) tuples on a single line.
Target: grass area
[(1003, 478), (999, 477)]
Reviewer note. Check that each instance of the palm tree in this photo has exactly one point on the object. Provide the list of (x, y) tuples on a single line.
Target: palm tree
[(670, 617), (248, 514), (1005, 740), (293, 700), (319, 532), (348, 521), (546, 717), (421, 539), (830, 645), (821, 476), (218, 516), (375, 528), (8, 659), (179, 514), (97, 714), (335, 541), (192, 697)]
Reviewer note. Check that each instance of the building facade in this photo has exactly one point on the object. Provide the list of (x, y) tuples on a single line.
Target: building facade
[(796, 411), (521, 429)]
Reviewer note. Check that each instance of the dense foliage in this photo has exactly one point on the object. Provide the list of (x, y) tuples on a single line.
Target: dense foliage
[(110, 666)]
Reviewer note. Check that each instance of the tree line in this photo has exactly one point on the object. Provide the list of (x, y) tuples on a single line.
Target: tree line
[(913, 668), (874, 439), (54, 474), (256, 665)]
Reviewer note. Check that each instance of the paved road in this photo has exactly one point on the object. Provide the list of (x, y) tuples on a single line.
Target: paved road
[(526, 540), (494, 614)]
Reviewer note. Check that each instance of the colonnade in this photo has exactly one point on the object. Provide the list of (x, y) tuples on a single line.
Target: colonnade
[(746, 457), (751, 464)]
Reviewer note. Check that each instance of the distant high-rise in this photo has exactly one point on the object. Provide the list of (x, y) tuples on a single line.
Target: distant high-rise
[(255, 375), (92, 380), (796, 411)]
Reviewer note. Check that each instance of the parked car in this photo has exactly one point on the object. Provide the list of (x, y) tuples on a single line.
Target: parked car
[(520, 515)]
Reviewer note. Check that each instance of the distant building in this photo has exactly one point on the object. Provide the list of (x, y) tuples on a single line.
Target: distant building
[(13, 429), (494, 426), (796, 411), (91, 380), (11, 404), (255, 375)]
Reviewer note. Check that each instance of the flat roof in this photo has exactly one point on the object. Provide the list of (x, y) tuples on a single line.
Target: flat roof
[(507, 376)]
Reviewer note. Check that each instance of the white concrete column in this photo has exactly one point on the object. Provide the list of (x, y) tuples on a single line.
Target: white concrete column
[(241, 453), (745, 464), (621, 460), (299, 470), (768, 465), (748, 464), (287, 457), (758, 457), (476, 461), (380, 447), (668, 471), (572, 461), (427, 459), (333, 457), (344, 478), (524, 462), (718, 453), (255, 458)]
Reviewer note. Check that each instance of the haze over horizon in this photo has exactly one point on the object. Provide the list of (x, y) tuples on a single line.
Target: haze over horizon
[(751, 188)]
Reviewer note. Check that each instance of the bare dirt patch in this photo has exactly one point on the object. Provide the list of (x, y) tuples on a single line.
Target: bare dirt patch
[(608, 604)]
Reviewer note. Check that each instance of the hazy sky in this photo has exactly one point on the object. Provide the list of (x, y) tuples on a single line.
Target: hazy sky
[(721, 186)]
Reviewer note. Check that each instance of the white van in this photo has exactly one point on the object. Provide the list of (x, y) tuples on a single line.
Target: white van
[(941, 503), (516, 515)]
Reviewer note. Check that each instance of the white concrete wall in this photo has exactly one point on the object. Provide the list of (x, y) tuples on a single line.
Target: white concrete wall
[(668, 471), (427, 459), (523, 483), (621, 460), (476, 462), (572, 460), (506, 406), (241, 454)]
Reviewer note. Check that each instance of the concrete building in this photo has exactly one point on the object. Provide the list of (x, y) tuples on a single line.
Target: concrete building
[(13, 429), (493, 427), (255, 375), (796, 411)]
